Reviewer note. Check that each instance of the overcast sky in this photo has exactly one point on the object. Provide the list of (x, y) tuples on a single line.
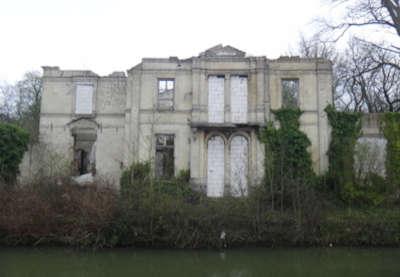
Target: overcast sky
[(110, 35)]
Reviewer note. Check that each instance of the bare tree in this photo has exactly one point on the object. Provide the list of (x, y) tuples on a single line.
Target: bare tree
[(21, 103), (361, 13), (8, 100), (366, 77), (366, 82)]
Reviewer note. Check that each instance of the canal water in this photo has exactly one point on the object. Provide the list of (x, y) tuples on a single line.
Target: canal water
[(296, 262)]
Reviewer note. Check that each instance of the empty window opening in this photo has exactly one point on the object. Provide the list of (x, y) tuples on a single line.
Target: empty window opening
[(239, 99), (166, 90), (164, 163), (239, 166), (215, 167), (84, 99), (216, 102), (370, 156), (84, 152), (290, 93), (82, 161)]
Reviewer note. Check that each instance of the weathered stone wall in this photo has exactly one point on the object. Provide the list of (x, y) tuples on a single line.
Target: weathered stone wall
[(58, 118), (127, 117)]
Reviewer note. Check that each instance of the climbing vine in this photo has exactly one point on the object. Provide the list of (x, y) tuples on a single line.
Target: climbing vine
[(346, 128), (288, 164), (390, 124)]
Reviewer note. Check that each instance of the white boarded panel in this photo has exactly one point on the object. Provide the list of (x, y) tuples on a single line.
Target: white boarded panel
[(216, 103), (215, 167), (239, 166), (370, 156), (84, 99), (239, 99)]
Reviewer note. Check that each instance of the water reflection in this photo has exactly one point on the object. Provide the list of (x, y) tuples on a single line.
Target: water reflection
[(230, 263)]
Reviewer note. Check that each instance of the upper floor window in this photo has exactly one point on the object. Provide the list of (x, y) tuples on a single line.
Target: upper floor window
[(290, 93), (166, 90), (84, 99), (239, 99), (216, 102)]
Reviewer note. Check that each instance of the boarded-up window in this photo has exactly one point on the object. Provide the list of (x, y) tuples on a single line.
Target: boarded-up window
[(290, 93), (216, 103), (239, 166), (215, 167), (239, 99), (84, 99), (164, 164), (166, 90)]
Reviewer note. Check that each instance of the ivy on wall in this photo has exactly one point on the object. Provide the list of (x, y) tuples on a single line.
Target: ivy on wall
[(287, 146), (288, 165), (390, 124), (346, 129)]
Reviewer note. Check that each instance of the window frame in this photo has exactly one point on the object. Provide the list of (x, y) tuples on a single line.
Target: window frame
[(166, 79), (219, 76), (162, 148), (75, 99), (232, 119), (288, 79)]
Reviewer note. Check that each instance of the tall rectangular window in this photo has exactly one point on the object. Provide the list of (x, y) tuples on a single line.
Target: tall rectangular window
[(216, 101), (84, 99), (239, 99), (164, 163), (290, 93), (166, 90)]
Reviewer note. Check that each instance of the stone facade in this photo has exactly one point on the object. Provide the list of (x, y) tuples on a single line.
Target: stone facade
[(204, 111)]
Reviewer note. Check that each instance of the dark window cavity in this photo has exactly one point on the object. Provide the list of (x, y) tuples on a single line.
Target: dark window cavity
[(164, 163)]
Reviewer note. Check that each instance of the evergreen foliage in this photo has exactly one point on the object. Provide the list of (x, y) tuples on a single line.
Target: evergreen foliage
[(13, 144)]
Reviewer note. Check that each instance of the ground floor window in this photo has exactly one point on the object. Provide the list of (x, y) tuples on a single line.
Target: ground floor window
[(216, 166), (84, 153), (227, 159), (164, 160), (239, 165)]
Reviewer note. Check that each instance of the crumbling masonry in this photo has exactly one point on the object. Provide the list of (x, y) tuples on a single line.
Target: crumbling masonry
[(201, 113)]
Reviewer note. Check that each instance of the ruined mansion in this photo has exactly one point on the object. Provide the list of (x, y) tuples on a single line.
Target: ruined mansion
[(200, 114)]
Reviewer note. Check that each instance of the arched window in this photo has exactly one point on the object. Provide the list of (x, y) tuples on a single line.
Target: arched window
[(239, 165), (215, 166)]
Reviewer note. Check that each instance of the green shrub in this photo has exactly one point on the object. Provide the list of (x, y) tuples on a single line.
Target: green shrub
[(13, 144), (361, 228)]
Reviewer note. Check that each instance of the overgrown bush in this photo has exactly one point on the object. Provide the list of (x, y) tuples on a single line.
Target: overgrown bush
[(56, 212), (13, 144), (361, 228)]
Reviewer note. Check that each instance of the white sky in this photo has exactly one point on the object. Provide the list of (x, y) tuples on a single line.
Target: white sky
[(110, 35)]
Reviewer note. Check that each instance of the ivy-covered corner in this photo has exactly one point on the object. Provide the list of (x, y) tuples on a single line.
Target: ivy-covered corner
[(346, 129), (288, 164), (390, 125)]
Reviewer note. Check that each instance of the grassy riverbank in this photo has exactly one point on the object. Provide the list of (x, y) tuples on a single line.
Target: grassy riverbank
[(170, 215)]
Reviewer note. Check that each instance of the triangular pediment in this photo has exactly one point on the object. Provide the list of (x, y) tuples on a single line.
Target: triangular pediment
[(222, 51)]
